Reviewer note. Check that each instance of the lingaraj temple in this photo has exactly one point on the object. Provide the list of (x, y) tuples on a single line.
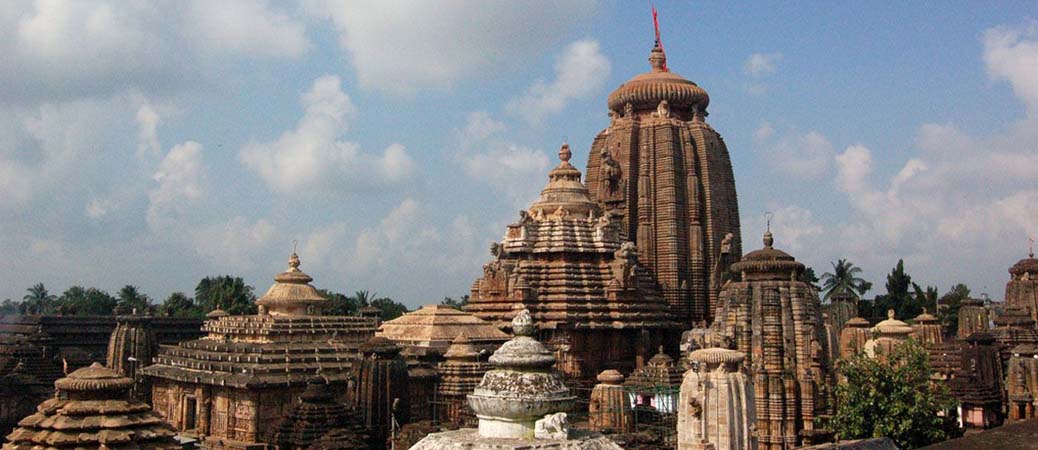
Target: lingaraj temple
[(617, 311)]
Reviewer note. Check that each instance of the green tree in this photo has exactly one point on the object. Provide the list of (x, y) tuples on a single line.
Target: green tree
[(339, 304), (807, 276), (950, 303), (228, 293), (925, 298), (178, 304), (389, 309), (892, 396), (132, 299), (38, 300), (456, 304), (899, 295), (363, 298), (844, 279), (87, 302), (8, 307)]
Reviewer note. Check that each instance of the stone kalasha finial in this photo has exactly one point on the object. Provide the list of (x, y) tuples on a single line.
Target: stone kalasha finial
[(522, 324), (890, 314), (769, 239), (564, 153), (293, 262), (657, 59)]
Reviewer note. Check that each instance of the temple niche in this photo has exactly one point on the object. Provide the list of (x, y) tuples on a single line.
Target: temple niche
[(1022, 288), (246, 374), (1022, 382), (775, 320), (564, 260), (666, 174)]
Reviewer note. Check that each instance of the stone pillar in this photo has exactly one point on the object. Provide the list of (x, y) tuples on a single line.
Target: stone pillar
[(716, 410), (610, 408)]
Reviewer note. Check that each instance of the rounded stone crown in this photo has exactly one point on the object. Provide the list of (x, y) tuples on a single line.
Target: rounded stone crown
[(768, 262), (892, 326), (564, 194), (856, 322), (292, 293), (95, 378), (611, 376), (1027, 265), (717, 355), (647, 90)]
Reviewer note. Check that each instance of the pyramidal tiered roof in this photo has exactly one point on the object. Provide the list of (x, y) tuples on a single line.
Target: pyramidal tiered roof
[(92, 410), (434, 327), (316, 416), (286, 344), (566, 262)]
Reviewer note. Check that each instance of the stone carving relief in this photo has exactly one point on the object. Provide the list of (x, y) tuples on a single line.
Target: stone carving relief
[(663, 110), (609, 176), (625, 263), (552, 426)]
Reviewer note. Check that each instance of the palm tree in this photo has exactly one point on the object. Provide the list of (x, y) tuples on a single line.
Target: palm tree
[(844, 280), (38, 300), (364, 298)]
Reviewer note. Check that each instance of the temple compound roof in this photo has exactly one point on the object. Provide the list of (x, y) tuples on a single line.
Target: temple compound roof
[(566, 262), (92, 410), (286, 344), (1020, 435), (432, 328)]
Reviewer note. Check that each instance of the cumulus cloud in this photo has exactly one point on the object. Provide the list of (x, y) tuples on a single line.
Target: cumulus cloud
[(759, 64), (580, 70), (805, 156), (485, 154), (58, 49), (1011, 54), (402, 47), (180, 180), (312, 157), (796, 229)]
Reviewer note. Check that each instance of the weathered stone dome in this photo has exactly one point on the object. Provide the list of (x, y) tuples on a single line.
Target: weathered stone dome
[(315, 415), (892, 326), (1027, 265), (564, 195), (647, 90)]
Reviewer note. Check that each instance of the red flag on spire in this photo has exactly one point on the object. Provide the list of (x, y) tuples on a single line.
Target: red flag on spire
[(656, 25)]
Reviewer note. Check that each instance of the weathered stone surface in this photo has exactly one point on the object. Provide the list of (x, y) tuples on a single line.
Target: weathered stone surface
[(132, 347), (380, 387), (927, 329), (667, 175), (598, 307), (1022, 382), (319, 418), (886, 336), (974, 317), (977, 385), (470, 439), (856, 332), (657, 384), (246, 373), (92, 409), (1022, 288), (717, 410), (429, 331), (610, 407), (775, 320)]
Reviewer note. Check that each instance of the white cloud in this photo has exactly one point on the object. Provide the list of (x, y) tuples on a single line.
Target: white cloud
[(180, 180), (796, 230), (1011, 53), (232, 244), (312, 158), (805, 156), (402, 47), (248, 27), (759, 64), (507, 167), (62, 49), (580, 70)]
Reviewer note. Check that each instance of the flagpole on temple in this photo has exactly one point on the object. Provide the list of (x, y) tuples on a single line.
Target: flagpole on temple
[(659, 43)]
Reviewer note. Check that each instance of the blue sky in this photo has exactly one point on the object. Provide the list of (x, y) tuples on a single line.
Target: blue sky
[(157, 143)]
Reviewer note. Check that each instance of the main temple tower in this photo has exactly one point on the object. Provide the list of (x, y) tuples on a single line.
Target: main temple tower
[(666, 175)]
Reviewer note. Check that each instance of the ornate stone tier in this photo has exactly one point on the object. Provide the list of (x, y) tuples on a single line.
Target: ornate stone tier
[(855, 334), (459, 375), (227, 385), (716, 409), (1022, 382), (292, 294), (945, 359), (92, 409), (315, 415), (566, 263), (380, 390), (429, 331), (1014, 327), (927, 329), (610, 407), (656, 385), (666, 175), (776, 321), (974, 317)]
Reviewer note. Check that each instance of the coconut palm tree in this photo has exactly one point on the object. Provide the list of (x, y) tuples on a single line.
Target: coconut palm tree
[(38, 300), (844, 279)]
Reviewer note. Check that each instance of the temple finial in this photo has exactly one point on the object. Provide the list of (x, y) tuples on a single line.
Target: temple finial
[(293, 262), (1030, 247), (564, 153)]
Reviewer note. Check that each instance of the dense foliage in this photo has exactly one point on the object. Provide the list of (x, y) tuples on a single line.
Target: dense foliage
[(893, 397)]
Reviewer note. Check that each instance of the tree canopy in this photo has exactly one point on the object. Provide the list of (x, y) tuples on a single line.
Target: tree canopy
[(892, 396), (228, 293), (844, 279)]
